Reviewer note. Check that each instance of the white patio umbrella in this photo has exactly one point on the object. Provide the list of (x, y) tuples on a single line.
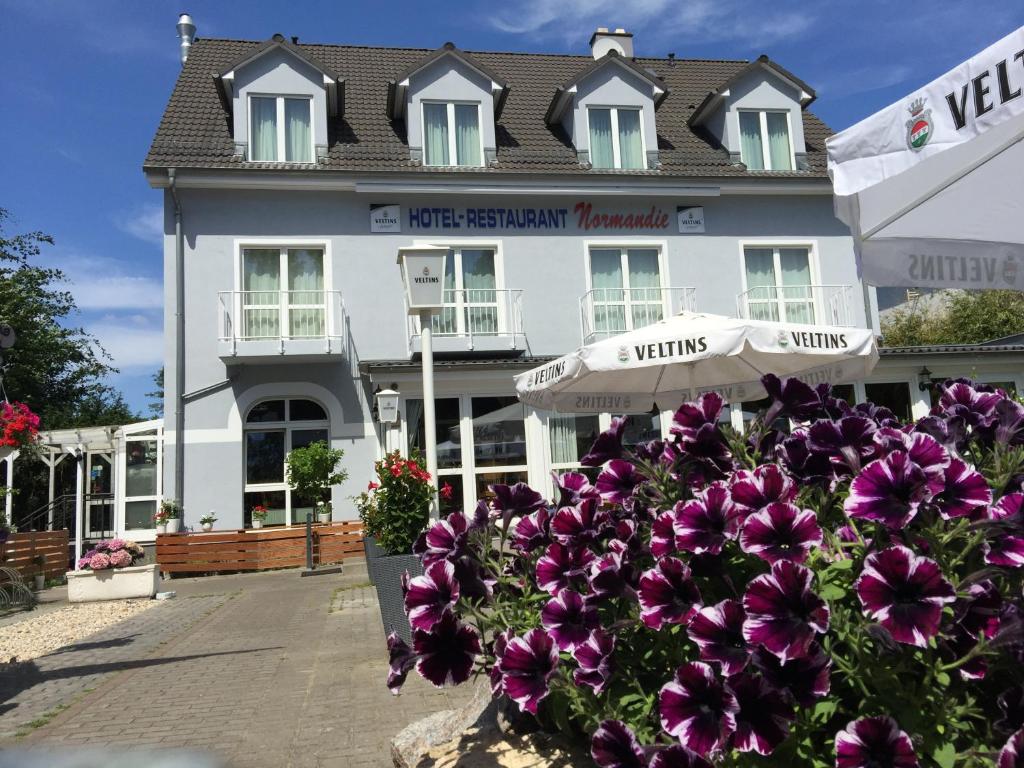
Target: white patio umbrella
[(931, 187), (690, 353)]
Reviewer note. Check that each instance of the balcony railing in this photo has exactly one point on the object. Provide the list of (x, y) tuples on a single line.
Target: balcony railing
[(810, 304), (607, 312), (281, 317), (477, 315)]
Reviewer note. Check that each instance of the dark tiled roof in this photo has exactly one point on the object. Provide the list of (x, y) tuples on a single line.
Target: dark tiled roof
[(986, 347), (195, 130)]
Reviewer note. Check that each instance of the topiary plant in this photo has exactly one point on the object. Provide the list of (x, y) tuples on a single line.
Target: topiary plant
[(312, 471)]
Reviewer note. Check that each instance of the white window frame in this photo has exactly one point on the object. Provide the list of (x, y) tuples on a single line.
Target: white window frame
[(624, 247), (765, 151), (287, 426), (283, 245), (776, 244), (137, 433), (616, 150), (453, 153), (455, 246), (282, 145)]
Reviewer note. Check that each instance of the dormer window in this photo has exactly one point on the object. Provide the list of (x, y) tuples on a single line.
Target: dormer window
[(765, 143), (616, 138), (280, 129), (451, 134)]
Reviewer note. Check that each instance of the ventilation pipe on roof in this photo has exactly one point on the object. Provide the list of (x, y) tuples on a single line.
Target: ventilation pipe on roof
[(604, 42), (186, 34)]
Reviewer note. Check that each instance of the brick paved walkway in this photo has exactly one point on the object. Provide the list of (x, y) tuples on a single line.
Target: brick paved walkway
[(287, 672)]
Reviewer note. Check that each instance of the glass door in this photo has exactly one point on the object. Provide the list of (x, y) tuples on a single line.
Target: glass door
[(779, 284), (99, 500), (261, 293)]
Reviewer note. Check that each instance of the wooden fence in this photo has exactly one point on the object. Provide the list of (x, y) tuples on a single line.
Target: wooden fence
[(252, 550), (21, 548)]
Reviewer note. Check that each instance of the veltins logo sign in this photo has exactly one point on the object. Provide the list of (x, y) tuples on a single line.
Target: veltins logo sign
[(920, 126), (690, 219), (385, 217)]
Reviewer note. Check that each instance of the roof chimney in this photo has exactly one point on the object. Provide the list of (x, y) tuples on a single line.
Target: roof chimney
[(604, 42), (186, 34)]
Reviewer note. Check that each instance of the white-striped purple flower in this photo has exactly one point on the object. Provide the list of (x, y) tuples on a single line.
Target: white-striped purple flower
[(780, 532), (691, 417), (668, 594), (905, 593), (614, 745), (848, 441), (401, 660), (1012, 753), (444, 540), (446, 653), (594, 657), (526, 666), (923, 449), (580, 525), (1008, 426), (704, 523), (964, 490), (617, 481), (791, 398), (806, 679), (573, 487), (972, 402), (611, 575), (608, 445), (874, 742), (512, 501), (978, 612), (427, 597), (753, 491), (560, 566), (663, 534), (532, 531), (697, 708), (718, 632), (764, 715), (568, 619), (678, 756), (1005, 545), (783, 614), (889, 490)]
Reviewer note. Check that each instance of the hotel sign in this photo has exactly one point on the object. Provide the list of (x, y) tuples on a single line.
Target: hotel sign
[(385, 217)]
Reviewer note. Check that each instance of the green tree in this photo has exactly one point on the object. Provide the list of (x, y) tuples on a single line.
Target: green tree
[(156, 403), (956, 317)]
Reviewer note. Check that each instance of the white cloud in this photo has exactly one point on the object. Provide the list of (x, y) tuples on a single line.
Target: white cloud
[(145, 222), (106, 283), (130, 346)]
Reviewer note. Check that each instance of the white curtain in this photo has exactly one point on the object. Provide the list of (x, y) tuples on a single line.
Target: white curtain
[(479, 281), (601, 154), (778, 141), (796, 285), (644, 286), (606, 280), (446, 322), (306, 305), (762, 296), (298, 140), (631, 149), (751, 148), (261, 299), (467, 134), (264, 129), (562, 431), (435, 140)]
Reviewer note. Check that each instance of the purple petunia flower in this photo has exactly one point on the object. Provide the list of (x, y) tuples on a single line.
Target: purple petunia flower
[(526, 666), (594, 657), (703, 524), (678, 756), (949, 431), (573, 487), (559, 566), (958, 643), (964, 490), (498, 647), (978, 612), (691, 417), (698, 708), (517, 500), (718, 632), (446, 653), (889, 490), (663, 534), (781, 532), (923, 449), (427, 597), (444, 540), (668, 595), (614, 745), (608, 445), (975, 406), (810, 466), (753, 491), (1012, 753), (806, 679), (1005, 545), (904, 592), (568, 619), (1008, 424), (401, 660), (617, 481), (475, 581), (762, 722), (848, 441), (783, 614), (578, 526), (791, 398), (874, 742), (532, 531), (611, 575)]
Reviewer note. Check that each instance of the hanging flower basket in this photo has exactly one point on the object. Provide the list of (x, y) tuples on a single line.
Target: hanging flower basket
[(19, 428)]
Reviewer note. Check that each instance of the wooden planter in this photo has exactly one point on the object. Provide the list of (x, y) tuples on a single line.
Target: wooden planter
[(113, 583), (389, 570)]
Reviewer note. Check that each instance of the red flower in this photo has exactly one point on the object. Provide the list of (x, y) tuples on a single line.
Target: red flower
[(396, 471), (372, 486), (446, 492)]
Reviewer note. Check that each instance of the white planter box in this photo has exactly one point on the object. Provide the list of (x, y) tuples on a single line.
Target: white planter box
[(113, 583)]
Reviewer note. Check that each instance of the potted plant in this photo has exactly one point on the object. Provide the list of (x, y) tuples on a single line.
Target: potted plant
[(19, 427), (367, 507), (39, 577), (311, 472), (207, 521), (259, 514), (169, 516), (111, 571), (400, 507)]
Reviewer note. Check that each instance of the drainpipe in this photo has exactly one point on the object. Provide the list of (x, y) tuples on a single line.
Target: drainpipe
[(179, 345)]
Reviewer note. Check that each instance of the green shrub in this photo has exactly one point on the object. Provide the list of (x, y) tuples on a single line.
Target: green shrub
[(312, 471), (395, 508)]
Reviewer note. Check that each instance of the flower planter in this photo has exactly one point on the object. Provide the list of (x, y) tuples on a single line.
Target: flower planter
[(113, 583), (174, 525), (372, 552), (257, 524), (388, 574), (324, 517), (161, 528), (207, 526)]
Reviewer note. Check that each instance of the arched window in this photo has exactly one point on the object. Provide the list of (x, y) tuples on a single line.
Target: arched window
[(272, 429)]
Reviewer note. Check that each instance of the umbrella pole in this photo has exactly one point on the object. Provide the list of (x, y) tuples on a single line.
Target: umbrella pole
[(429, 424)]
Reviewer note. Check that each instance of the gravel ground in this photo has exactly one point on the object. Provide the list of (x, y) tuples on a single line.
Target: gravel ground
[(38, 635)]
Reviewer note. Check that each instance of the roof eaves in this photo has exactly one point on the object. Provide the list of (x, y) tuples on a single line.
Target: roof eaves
[(713, 98), (278, 41), (448, 49), (558, 101)]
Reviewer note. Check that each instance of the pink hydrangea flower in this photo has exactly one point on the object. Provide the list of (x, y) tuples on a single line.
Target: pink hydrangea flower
[(99, 561), (120, 559)]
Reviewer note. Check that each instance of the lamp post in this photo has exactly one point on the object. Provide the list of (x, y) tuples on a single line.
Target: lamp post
[(422, 270)]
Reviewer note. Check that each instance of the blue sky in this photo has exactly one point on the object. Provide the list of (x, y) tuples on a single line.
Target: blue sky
[(84, 85)]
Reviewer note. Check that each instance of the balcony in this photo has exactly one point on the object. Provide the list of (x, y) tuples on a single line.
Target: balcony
[(475, 320), (607, 312), (281, 326), (806, 304)]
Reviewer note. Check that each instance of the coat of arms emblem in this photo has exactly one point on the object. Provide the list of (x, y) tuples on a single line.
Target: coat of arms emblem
[(623, 355), (919, 126), (1010, 271)]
